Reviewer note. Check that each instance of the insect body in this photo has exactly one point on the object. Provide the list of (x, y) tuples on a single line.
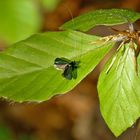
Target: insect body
[(69, 67)]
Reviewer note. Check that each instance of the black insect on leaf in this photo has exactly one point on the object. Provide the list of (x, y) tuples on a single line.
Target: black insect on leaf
[(69, 67)]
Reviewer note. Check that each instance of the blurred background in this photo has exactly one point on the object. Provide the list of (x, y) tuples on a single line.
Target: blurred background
[(73, 116)]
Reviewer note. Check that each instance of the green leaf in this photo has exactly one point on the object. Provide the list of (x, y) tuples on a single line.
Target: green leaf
[(27, 72), (107, 17), (119, 91), (18, 19)]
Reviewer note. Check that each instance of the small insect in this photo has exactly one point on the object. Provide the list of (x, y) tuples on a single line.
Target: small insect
[(69, 67)]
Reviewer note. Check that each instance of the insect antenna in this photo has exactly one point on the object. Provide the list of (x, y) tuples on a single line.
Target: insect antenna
[(70, 13), (66, 64), (75, 51)]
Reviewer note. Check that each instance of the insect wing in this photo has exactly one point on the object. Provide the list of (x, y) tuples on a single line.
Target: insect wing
[(74, 73), (69, 67), (68, 72), (61, 67), (77, 64), (61, 63)]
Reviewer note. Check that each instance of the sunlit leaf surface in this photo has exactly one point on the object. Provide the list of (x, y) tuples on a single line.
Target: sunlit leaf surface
[(119, 92), (27, 71), (107, 17)]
